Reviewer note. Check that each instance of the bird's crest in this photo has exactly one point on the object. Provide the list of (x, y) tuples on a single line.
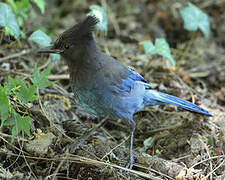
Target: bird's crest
[(77, 32), (88, 25)]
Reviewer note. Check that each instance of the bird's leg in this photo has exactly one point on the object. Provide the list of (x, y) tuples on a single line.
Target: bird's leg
[(130, 162), (75, 145)]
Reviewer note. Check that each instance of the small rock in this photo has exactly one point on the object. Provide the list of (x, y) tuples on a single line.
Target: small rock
[(41, 144)]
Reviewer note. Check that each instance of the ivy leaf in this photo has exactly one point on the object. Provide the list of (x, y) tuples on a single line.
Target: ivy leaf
[(54, 57), (194, 18), (41, 79), (99, 12), (19, 123), (40, 4), (4, 105), (26, 93), (8, 20), (161, 48), (44, 40), (40, 38)]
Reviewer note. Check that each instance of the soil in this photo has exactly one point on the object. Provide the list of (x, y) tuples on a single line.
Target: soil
[(169, 143)]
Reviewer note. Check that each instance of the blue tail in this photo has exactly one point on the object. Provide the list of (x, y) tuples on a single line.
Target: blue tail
[(153, 97)]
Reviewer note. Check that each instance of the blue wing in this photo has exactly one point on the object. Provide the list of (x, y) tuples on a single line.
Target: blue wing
[(119, 78), (132, 77)]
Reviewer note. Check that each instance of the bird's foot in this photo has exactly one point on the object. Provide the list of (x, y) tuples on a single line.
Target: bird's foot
[(130, 163)]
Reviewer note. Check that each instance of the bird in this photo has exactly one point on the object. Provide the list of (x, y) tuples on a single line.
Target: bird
[(102, 85)]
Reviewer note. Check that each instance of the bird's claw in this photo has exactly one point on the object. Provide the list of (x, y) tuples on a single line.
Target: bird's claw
[(130, 163)]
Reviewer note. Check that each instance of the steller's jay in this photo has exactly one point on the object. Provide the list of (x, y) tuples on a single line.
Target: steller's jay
[(102, 85)]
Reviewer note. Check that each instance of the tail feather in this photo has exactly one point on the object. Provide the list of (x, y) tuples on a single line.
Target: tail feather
[(154, 97)]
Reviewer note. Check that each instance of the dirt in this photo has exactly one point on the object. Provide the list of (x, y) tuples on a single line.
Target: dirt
[(169, 142)]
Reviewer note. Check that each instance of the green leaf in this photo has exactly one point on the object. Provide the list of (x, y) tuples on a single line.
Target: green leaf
[(40, 38), (194, 18), (20, 123), (54, 57), (44, 40), (12, 4), (21, 10), (41, 79), (26, 93), (161, 48), (4, 105), (40, 4), (12, 84), (99, 12), (7, 19)]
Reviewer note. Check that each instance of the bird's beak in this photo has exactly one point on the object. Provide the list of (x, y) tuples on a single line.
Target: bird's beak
[(49, 49)]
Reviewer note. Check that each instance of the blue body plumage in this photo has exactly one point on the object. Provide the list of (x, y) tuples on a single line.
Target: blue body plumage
[(105, 87)]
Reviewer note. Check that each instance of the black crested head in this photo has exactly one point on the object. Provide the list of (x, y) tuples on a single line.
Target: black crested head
[(77, 33)]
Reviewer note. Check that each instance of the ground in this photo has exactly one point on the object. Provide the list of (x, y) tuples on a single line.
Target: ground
[(169, 142)]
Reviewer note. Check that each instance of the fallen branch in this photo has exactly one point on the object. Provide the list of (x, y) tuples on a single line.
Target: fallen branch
[(23, 52)]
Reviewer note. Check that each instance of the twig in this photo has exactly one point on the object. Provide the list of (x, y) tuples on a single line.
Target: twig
[(78, 142), (214, 157), (80, 159), (114, 148), (23, 52), (58, 77), (15, 72), (20, 150), (214, 170), (50, 121)]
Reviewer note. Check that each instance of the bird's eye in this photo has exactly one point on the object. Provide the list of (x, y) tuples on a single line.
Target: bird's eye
[(66, 46)]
